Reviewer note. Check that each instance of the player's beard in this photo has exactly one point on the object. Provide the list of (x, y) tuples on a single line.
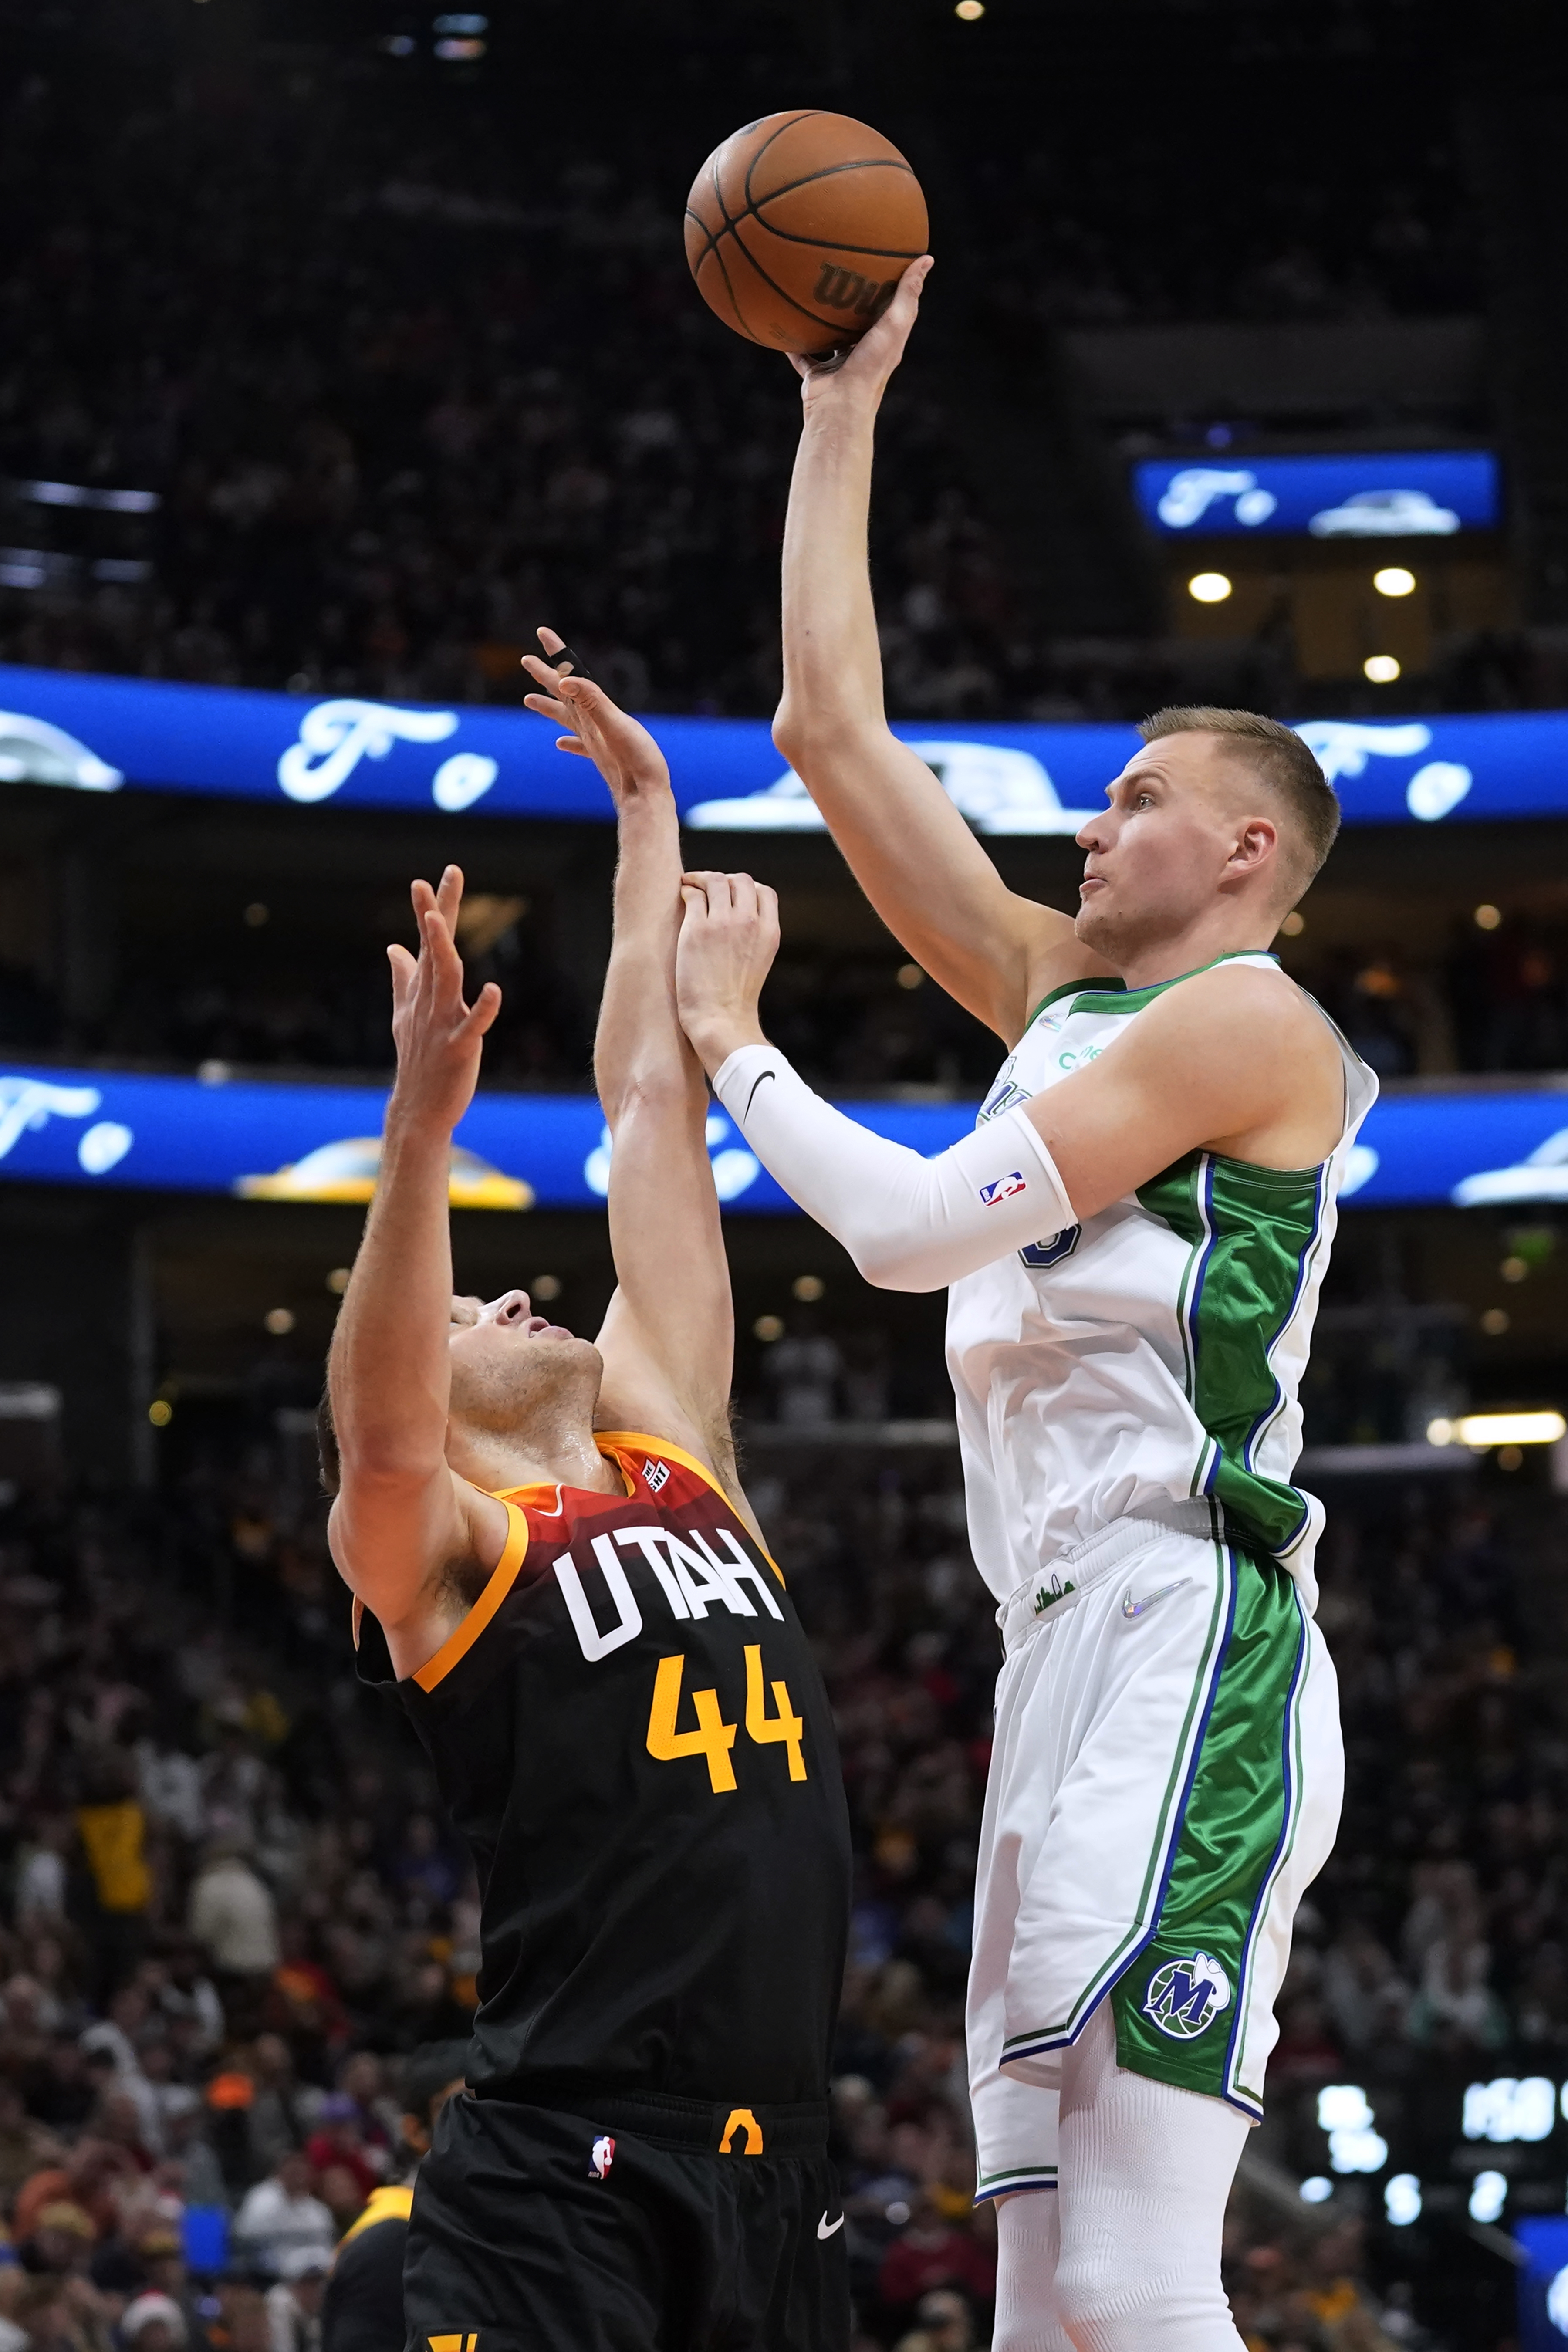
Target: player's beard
[(530, 1391)]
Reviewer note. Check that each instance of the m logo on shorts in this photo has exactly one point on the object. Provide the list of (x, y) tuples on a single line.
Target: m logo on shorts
[(1184, 1997)]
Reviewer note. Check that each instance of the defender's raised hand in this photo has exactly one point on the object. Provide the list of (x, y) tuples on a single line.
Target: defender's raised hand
[(624, 752), (439, 1035), (729, 938)]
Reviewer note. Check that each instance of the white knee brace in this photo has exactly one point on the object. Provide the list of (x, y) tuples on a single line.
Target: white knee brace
[(1028, 2238), (1145, 2172)]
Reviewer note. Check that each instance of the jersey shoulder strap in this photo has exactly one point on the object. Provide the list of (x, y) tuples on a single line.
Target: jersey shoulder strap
[(385, 2205)]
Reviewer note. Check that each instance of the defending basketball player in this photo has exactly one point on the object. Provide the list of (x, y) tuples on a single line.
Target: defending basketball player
[(557, 1571), (1135, 1236)]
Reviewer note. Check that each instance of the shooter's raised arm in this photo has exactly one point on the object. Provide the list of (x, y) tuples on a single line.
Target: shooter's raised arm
[(910, 850), (668, 1340)]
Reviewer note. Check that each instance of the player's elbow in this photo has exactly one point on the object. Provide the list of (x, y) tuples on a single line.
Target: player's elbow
[(808, 728), (886, 1264), (654, 1090), (837, 742)]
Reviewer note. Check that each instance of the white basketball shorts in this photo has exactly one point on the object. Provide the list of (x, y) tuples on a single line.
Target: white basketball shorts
[(1165, 1785)]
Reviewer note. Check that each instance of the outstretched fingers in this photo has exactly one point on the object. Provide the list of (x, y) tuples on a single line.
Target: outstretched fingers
[(449, 896), (480, 1013)]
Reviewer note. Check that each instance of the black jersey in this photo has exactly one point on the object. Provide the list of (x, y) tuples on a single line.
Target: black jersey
[(631, 1734)]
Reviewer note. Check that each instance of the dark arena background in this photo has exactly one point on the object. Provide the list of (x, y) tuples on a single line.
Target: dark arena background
[(342, 343)]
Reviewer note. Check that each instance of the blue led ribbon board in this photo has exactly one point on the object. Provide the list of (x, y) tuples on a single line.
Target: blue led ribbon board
[(1364, 497), (262, 1141), (94, 735)]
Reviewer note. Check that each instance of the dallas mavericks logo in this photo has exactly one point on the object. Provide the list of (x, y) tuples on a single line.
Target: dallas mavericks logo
[(1184, 1997)]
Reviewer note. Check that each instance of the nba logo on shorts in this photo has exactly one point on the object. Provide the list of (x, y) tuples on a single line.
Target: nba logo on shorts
[(1003, 1188), (602, 2156), (1184, 1997)]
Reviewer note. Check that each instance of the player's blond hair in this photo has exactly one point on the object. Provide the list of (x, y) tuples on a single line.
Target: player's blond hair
[(1278, 758)]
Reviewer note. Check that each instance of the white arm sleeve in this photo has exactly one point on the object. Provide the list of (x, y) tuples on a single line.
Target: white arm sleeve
[(909, 1224)]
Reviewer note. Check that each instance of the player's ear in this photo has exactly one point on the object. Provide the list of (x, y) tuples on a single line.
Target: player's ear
[(1256, 843)]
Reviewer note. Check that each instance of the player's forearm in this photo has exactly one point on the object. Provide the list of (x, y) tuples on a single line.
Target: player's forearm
[(832, 661), (905, 843), (638, 1047), (390, 1367), (910, 1224)]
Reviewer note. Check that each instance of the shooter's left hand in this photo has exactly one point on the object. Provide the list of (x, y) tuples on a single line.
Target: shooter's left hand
[(729, 938)]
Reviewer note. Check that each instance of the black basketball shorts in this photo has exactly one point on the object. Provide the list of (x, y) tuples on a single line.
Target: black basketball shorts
[(644, 2225)]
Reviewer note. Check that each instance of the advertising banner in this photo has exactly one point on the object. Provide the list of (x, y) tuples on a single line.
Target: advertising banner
[(1373, 495), (263, 1141), (106, 734)]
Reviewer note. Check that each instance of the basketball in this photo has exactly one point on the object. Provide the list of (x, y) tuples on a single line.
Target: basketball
[(799, 227)]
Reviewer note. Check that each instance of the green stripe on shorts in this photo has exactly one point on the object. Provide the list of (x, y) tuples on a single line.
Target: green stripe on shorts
[(1178, 2005)]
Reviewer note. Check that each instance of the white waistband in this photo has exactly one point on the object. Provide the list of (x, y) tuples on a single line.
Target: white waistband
[(1083, 1564)]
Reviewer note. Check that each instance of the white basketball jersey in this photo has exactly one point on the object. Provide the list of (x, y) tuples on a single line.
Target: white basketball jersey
[(1148, 1361)]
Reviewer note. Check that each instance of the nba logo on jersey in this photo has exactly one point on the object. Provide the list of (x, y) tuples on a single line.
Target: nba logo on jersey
[(602, 2156), (1003, 1188), (1184, 1997), (656, 1474)]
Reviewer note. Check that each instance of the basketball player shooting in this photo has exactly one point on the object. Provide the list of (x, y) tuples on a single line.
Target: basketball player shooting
[(557, 1571), (1135, 1236)]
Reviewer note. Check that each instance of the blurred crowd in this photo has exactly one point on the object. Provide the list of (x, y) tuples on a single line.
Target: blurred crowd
[(398, 385), (1487, 1000), (402, 390), (1494, 996), (232, 1908)]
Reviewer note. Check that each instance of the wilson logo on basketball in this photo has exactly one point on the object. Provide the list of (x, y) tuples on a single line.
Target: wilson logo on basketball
[(846, 290)]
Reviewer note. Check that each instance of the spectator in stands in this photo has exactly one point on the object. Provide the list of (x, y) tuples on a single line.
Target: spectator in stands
[(281, 2218), (154, 2323), (294, 2302), (112, 1828), (233, 1916), (943, 2323), (933, 2251)]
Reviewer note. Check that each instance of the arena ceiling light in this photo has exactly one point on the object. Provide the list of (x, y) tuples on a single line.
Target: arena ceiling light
[(1208, 587), (1394, 580), (1401, 2199), (1382, 669), (1481, 1429)]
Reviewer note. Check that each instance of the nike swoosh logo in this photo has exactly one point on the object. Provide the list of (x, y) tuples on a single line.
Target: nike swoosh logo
[(762, 1076), (1130, 1607), (825, 2228)]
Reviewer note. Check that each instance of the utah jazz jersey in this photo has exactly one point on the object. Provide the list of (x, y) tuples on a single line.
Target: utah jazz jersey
[(630, 1731), (1147, 1362)]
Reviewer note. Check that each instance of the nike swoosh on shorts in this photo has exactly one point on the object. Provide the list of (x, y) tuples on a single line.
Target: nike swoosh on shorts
[(1130, 1607), (825, 2228)]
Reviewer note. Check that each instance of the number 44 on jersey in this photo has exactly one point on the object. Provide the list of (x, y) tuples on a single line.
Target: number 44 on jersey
[(713, 1738)]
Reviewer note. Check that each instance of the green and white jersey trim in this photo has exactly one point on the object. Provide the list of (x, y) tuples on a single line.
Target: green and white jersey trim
[(1151, 1356), (1221, 1842)]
